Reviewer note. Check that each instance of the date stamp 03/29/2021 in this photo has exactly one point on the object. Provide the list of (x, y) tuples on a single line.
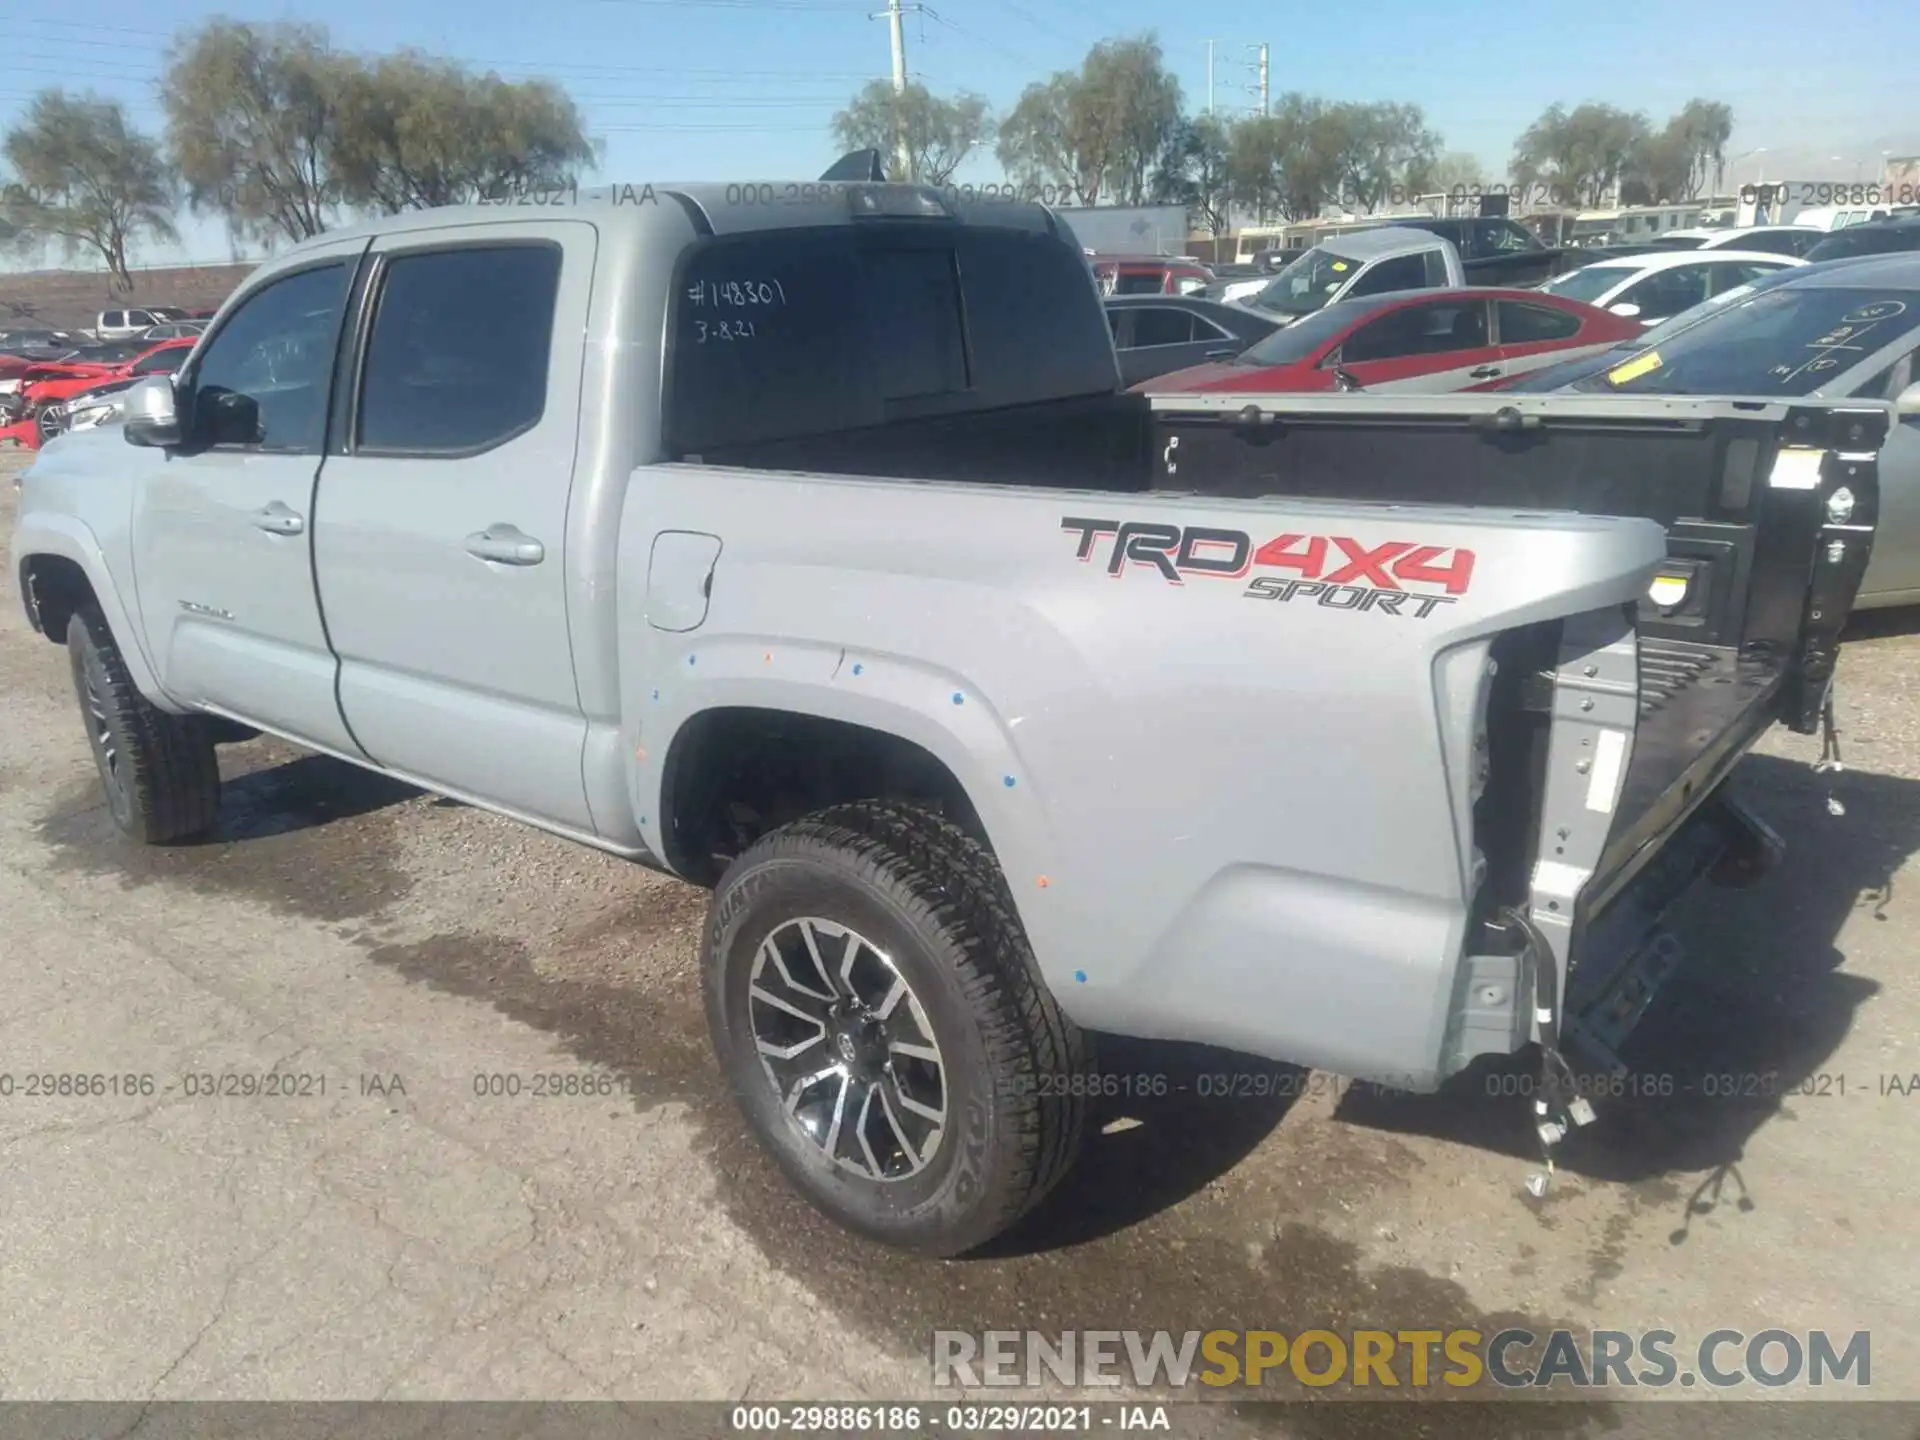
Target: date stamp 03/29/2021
[(1278, 1082)]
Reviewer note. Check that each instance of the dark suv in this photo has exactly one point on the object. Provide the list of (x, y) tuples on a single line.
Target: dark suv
[(1875, 237)]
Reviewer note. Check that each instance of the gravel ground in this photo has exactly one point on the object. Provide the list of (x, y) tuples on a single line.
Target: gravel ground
[(410, 1238)]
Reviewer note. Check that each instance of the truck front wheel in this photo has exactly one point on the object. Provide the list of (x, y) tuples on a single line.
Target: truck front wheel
[(878, 1011), (159, 771)]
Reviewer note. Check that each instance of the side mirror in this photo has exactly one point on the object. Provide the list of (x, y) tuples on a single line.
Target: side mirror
[(152, 411), (1626, 309), (1907, 402)]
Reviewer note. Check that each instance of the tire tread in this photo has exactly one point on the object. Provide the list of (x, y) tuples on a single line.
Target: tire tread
[(959, 886), (175, 768)]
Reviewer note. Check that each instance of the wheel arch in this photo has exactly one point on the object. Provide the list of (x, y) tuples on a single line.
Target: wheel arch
[(60, 568)]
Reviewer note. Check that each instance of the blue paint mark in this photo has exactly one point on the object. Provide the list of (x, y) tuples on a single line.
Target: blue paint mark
[(690, 659), (858, 668), (958, 698), (1007, 780), (643, 820), (656, 694), (1080, 976)]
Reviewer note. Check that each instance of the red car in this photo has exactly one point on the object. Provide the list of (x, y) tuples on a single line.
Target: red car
[(1150, 274), (1417, 340), (46, 382)]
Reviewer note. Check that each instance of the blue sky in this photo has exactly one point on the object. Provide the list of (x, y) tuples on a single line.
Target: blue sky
[(736, 89)]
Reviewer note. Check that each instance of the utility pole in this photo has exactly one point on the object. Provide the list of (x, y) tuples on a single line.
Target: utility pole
[(1210, 45), (895, 14), (1259, 87)]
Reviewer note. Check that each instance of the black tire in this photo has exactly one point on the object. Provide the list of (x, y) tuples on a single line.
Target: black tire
[(936, 909), (159, 771)]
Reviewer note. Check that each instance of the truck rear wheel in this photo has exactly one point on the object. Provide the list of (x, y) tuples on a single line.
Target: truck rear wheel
[(877, 1009), (159, 771)]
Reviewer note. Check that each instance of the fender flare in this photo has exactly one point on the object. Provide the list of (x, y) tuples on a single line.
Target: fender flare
[(69, 539)]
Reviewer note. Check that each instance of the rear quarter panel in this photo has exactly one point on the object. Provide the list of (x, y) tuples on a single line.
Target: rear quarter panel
[(1223, 816)]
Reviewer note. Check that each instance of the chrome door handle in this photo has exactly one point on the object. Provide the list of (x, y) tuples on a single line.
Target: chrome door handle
[(1485, 372), (277, 519), (506, 545)]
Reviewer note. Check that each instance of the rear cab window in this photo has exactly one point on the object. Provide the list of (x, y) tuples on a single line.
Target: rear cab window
[(783, 335)]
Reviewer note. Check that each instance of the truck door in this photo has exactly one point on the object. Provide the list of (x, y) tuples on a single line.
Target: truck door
[(440, 547), (221, 545)]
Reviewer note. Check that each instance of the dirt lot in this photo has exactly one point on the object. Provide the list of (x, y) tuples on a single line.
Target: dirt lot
[(401, 1235), (73, 299)]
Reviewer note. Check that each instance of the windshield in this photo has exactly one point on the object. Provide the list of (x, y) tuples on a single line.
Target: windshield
[(1293, 343), (1775, 342), (1307, 283), (1588, 283)]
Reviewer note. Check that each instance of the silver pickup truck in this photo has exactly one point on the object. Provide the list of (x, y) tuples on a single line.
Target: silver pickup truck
[(798, 540)]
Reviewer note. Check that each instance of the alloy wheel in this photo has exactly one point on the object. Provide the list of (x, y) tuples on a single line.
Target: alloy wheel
[(848, 1049)]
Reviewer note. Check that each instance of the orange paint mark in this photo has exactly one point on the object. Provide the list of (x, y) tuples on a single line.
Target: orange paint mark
[(1044, 882)]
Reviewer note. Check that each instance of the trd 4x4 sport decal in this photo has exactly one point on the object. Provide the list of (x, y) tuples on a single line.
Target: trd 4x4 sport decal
[(1394, 578)]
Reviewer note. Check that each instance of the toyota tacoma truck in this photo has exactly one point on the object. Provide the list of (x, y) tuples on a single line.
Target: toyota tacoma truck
[(799, 540)]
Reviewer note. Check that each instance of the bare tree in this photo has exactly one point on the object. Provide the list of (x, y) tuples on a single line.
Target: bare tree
[(414, 131), (86, 179), (252, 120), (939, 133)]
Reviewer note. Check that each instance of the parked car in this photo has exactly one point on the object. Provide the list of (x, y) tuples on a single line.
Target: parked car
[(1153, 334), (175, 330), (1349, 267), (1881, 237), (640, 551), (127, 324), (98, 405), (1847, 331), (1795, 240), (1419, 340), (1563, 373), (1651, 288), (1150, 275), (37, 344), (45, 387), (1494, 250)]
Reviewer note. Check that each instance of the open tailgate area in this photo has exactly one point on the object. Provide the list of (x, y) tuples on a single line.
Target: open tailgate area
[(1769, 510)]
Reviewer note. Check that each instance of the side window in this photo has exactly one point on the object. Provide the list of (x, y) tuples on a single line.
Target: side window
[(1139, 282), (262, 379), (1778, 242), (1524, 324), (457, 358), (1419, 330), (1161, 326), (113, 320), (1735, 276), (1402, 272), (160, 360), (1436, 269), (1667, 292)]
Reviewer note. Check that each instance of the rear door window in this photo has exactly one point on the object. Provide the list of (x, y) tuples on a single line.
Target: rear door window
[(1402, 272), (1524, 324), (1161, 325), (447, 376)]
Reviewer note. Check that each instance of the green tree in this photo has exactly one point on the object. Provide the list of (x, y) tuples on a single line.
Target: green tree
[(413, 131), (1100, 132), (253, 121), (87, 179), (1195, 170), (1385, 152), (939, 133), (1583, 154)]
